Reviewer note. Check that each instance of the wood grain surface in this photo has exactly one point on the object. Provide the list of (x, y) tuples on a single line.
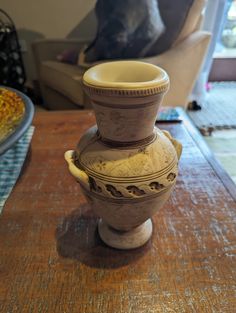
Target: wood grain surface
[(52, 260)]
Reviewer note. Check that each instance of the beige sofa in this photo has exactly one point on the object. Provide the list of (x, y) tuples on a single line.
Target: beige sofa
[(61, 86)]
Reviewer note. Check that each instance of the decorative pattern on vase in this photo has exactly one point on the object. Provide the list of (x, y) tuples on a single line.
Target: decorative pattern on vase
[(132, 93), (129, 190), (146, 161), (115, 211)]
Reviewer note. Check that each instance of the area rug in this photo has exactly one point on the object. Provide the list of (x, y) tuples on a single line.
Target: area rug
[(223, 144), (219, 109)]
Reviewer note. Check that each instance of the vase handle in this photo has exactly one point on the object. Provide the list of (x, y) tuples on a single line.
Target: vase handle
[(79, 175), (175, 143)]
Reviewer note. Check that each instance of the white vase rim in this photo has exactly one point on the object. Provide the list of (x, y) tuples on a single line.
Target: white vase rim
[(126, 75)]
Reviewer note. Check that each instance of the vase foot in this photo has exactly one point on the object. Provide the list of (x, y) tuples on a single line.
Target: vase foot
[(132, 239)]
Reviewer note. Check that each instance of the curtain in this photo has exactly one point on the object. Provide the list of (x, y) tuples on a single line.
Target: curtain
[(214, 19)]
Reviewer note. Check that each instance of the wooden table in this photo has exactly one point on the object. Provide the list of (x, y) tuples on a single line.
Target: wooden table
[(51, 259)]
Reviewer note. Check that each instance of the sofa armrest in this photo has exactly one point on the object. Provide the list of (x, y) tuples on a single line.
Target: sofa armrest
[(191, 41), (183, 63), (48, 49)]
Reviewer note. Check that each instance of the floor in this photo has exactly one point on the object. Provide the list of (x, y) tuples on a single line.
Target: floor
[(218, 108), (219, 111), (223, 144)]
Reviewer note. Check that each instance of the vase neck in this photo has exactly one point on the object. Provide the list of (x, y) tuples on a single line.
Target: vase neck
[(126, 125)]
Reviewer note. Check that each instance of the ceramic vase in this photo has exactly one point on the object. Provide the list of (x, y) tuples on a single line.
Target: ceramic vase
[(125, 165)]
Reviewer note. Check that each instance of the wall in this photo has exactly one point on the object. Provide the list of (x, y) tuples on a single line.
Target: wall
[(47, 19)]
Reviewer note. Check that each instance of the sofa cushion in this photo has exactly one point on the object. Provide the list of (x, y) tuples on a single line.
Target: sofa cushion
[(64, 78)]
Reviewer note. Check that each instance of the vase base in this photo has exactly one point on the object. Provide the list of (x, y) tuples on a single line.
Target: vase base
[(132, 239)]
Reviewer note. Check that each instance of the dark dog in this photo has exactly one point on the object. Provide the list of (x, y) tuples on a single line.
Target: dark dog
[(126, 29)]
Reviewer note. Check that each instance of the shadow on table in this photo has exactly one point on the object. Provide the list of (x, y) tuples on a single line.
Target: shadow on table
[(77, 238)]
